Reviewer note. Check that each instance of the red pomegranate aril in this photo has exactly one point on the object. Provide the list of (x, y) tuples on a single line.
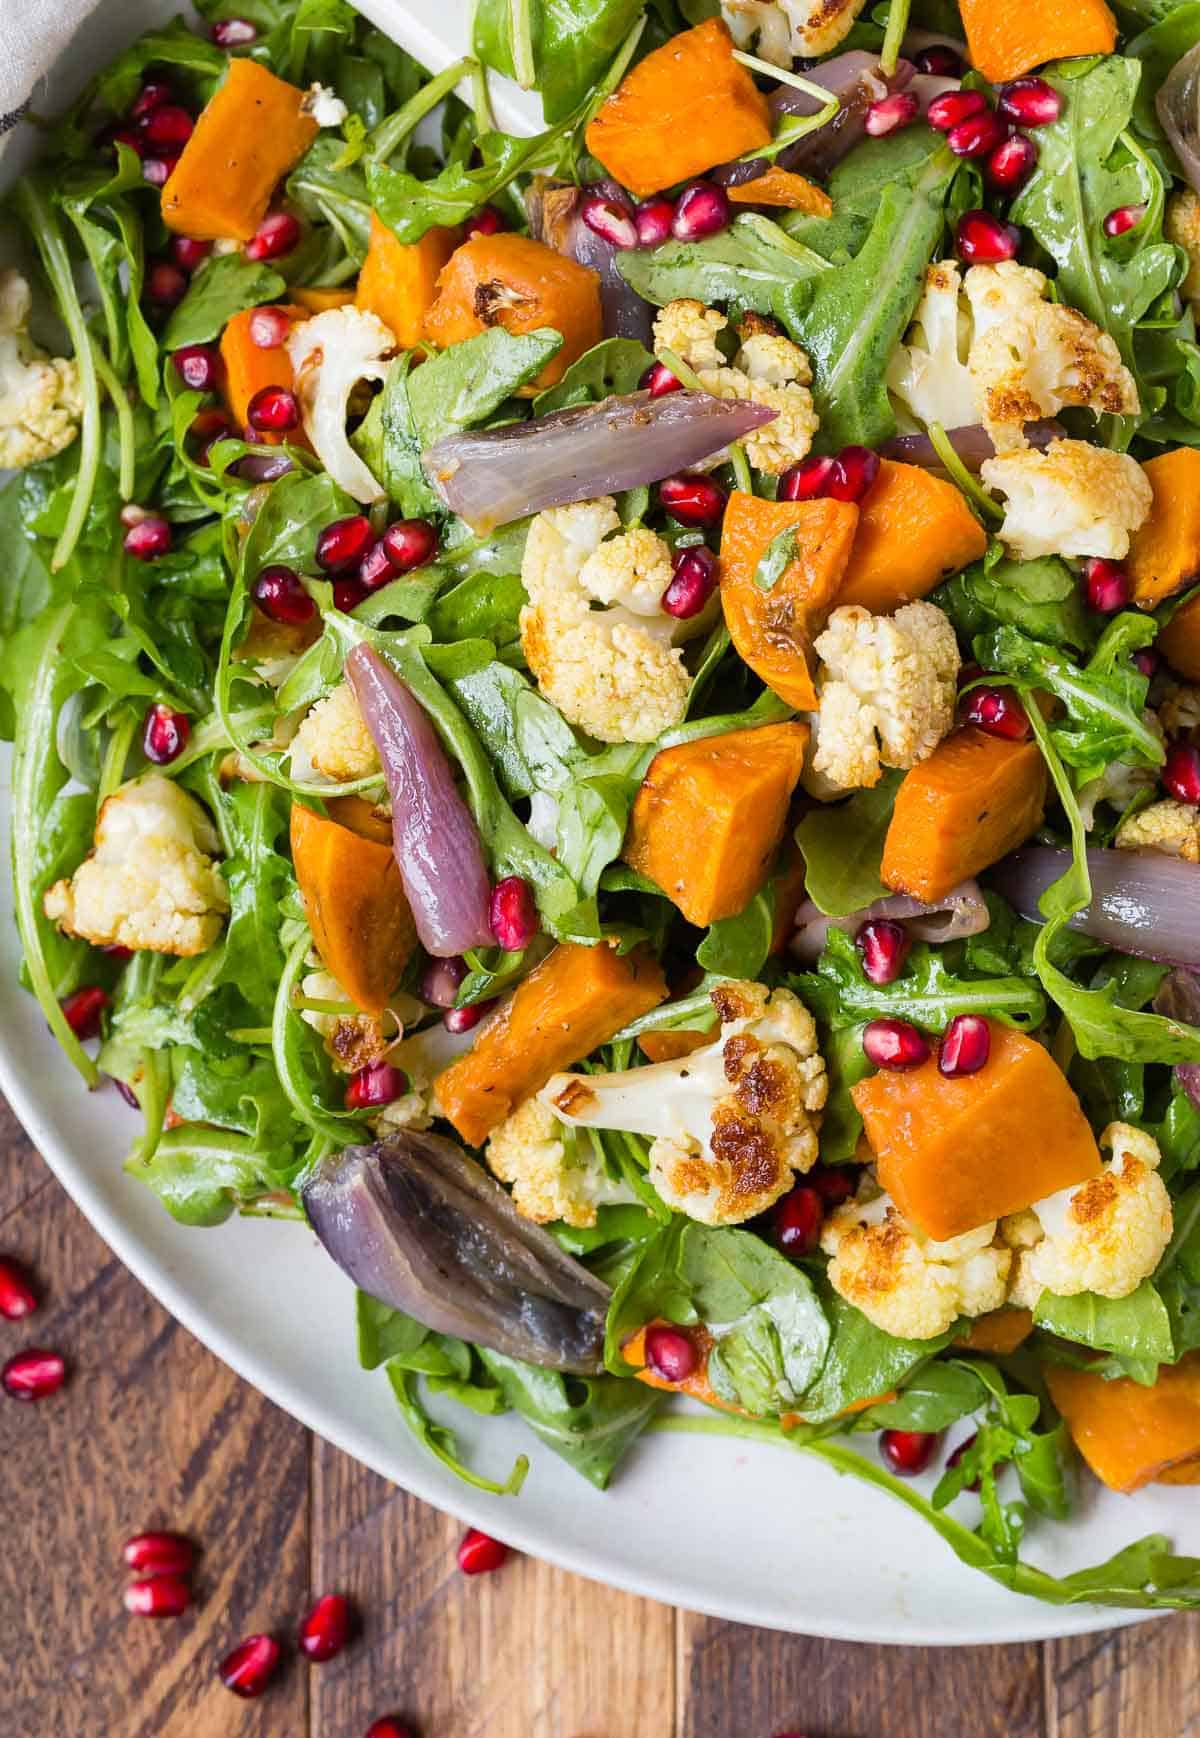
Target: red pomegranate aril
[(277, 234), (1011, 164), (234, 33), (378, 1083), (410, 543), (692, 584), (894, 1044), (280, 595), (1029, 102), (273, 410), (890, 114), (939, 60), (168, 125), (157, 171), (976, 136), (953, 1458), (611, 221), (658, 380), (148, 539), (998, 712), (486, 221), (465, 1019), (1146, 661), (34, 1374), (854, 470), (965, 1046), (17, 1296), (692, 499), (480, 1554), (188, 252), (883, 945), (112, 137), (981, 239), (165, 283), (808, 480), (268, 328), (833, 1183), (513, 913), (343, 543), (347, 595), (1106, 584), (153, 95), (388, 1728), (1181, 774), (701, 209), (161, 1596), (908, 1452), (159, 1553), (375, 569), (83, 1010), (670, 1353), (1123, 219), (164, 734), (198, 366), (440, 981), (952, 108), (797, 1221), (653, 220), (129, 1095), (326, 1629), (250, 1666)]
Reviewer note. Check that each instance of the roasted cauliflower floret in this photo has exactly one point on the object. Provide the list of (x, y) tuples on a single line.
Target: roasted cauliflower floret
[(731, 1122), (332, 354), (767, 369), (1118, 785), (1182, 226), (1169, 826), (785, 29), (613, 671), (887, 691), (903, 1282), (928, 373), (353, 1039), (1105, 1236), (1073, 499), (149, 881), (1179, 708), (553, 1175), (333, 740), (40, 400), (421, 1057)]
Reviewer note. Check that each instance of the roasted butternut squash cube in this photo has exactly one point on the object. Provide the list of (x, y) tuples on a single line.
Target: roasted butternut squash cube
[(1179, 641), (1129, 1434), (361, 923), (1008, 37), (1165, 551), (398, 280), (914, 530), (1000, 1332), (248, 368), (319, 301)]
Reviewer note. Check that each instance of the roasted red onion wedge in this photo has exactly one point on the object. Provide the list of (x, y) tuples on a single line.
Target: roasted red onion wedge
[(555, 217), (1178, 998), (972, 444), (420, 1226), (1143, 902), (500, 474), (961, 913), (1178, 106), (856, 80)]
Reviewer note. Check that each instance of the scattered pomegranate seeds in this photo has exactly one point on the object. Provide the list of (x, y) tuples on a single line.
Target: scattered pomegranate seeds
[(1123, 219), (1107, 586), (388, 1728), (797, 1221), (378, 1083), (280, 595), (277, 234), (165, 283), (83, 1010), (410, 543), (479, 1554), (981, 239), (701, 209), (251, 1665), (1181, 774), (693, 499), (908, 1452), (808, 480), (653, 220), (167, 125), (156, 172), (148, 539), (976, 136), (463, 1019), (159, 1553), (610, 219), (162, 1596), (833, 1183), (1029, 102), (854, 470), (344, 543), (347, 595), (234, 33), (894, 1044), (998, 712), (198, 366), (513, 913), (273, 410), (890, 114), (953, 1458), (965, 1047), (671, 1353), (693, 582), (486, 221), (1011, 164), (164, 734), (33, 1375), (440, 980), (188, 252), (326, 1629), (954, 107), (268, 327), (152, 96), (883, 946), (17, 1296), (939, 60)]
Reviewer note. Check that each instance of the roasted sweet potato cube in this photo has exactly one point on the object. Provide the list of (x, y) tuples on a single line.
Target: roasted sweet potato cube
[(914, 529), (1008, 37), (1129, 1434), (398, 280), (1165, 551), (1179, 641), (361, 923)]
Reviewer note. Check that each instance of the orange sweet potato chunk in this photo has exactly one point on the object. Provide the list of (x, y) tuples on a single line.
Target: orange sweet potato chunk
[(684, 108), (709, 817), (670, 1046), (784, 189), (574, 1000), (914, 529), (1165, 551), (954, 1153), (1179, 641), (1186, 1473), (999, 1332), (773, 630), (398, 280), (1008, 37), (250, 133), (975, 799), (1129, 1434), (360, 919), (248, 368)]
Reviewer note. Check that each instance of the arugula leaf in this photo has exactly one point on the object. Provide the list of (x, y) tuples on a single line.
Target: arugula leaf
[(328, 190), (201, 1174), (931, 1399), (927, 992), (842, 847), (226, 284), (1158, 48), (259, 878), (738, 265), (175, 46), (1040, 598), (846, 1064), (590, 1421), (464, 384), (862, 1361), (738, 946), (410, 206), (483, 606), (615, 365), (1136, 1328), (567, 47)]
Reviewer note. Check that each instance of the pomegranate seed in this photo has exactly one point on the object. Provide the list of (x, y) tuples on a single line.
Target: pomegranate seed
[(908, 1452), (440, 981), (702, 209), (1123, 219), (611, 221), (798, 1220), (939, 60), (982, 239), (276, 235), (163, 1596), (128, 1094), (347, 595), (33, 1375), (268, 328), (165, 283), (234, 33), (378, 1083), (658, 380), (692, 584), (480, 1554), (957, 1454), (1181, 774), (83, 1010), (692, 499), (410, 543), (653, 221), (833, 1183), (998, 712), (513, 913), (168, 125), (890, 114), (807, 481), (1029, 102), (153, 95), (148, 539), (326, 1629), (952, 108), (976, 136), (965, 1047), (250, 1667), (344, 543), (188, 252), (486, 221), (1106, 585), (198, 366), (671, 1353), (464, 1019), (280, 595), (110, 138), (273, 409), (164, 734), (159, 1554), (854, 470), (894, 1044), (1146, 661), (17, 1296), (375, 569), (1011, 164), (388, 1728), (884, 946), (157, 171)]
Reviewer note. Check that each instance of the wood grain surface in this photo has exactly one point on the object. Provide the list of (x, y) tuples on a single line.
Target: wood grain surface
[(153, 1431)]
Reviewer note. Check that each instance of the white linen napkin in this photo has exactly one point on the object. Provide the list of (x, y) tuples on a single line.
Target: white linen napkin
[(33, 33)]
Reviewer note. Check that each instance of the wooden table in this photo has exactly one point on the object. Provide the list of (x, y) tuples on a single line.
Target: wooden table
[(154, 1431)]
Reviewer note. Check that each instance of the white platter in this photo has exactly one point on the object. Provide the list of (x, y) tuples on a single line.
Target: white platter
[(784, 1542)]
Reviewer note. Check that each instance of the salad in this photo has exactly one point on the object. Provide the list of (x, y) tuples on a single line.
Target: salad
[(611, 719)]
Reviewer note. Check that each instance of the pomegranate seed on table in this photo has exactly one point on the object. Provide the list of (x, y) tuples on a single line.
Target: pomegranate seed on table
[(376, 1084), (480, 1554), (1181, 774), (977, 135), (410, 543), (440, 981), (157, 171), (17, 1296), (388, 1728), (1106, 585), (671, 1353), (188, 252), (833, 1183), (954, 107), (797, 1221), (513, 913), (693, 582), (277, 234), (347, 595), (280, 595), (486, 221), (153, 95), (159, 1553), (890, 114), (854, 471), (273, 410), (1123, 219), (198, 366), (1029, 102), (808, 480), (326, 1629), (34, 1374), (164, 734), (908, 1452), (83, 1010), (981, 239), (701, 209), (939, 60), (965, 1047), (612, 222), (894, 1044), (652, 220), (658, 380), (998, 712), (344, 542), (250, 1666), (167, 124), (268, 327), (464, 1019), (234, 33), (162, 1596), (692, 499), (148, 539), (953, 1458), (1011, 164), (883, 945), (165, 283)]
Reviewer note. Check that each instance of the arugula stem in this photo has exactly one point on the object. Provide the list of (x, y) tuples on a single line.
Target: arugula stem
[(112, 773), (119, 399), (741, 468), (394, 129), (520, 30), (975, 492), (792, 127), (893, 36), (680, 370), (770, 232)]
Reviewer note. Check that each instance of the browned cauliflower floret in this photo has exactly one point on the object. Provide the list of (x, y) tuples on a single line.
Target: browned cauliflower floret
[(333, 740), (782, 30), (1168, 826), (1182, 226), (1073, 499), (552, 1177), (40, 400)]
